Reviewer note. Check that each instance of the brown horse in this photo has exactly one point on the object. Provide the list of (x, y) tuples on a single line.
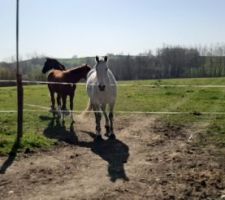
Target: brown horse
[(58, 74)]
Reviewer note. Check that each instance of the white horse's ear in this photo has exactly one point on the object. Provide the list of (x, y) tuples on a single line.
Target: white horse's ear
[(97, 59), (105, 58)]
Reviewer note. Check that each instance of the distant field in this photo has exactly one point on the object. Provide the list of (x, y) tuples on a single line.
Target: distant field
[(135, 96)]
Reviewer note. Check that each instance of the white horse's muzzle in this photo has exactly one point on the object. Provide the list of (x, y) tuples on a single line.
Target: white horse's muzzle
[(101, 87)]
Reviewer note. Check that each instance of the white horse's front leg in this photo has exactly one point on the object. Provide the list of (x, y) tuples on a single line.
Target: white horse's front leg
[(111, 133), (107, 127), (98, 123)]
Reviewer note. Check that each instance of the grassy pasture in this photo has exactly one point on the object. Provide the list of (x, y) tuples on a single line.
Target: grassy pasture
[(133, 97)]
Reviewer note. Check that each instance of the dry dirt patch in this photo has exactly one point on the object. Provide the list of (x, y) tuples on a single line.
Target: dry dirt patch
[(148, 160)]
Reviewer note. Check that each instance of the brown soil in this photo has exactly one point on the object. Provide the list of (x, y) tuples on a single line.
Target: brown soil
[(148, 160)]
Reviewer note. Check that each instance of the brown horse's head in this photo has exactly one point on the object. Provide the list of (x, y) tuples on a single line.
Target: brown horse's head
[(84, 70), (52, 64)]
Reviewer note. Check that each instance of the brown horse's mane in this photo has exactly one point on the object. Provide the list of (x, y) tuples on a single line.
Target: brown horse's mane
[(77, 69), (76, 73)]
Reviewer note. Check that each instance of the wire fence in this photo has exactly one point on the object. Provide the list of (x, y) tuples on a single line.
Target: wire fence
[(47, 109), (119, 84), (120, 112)]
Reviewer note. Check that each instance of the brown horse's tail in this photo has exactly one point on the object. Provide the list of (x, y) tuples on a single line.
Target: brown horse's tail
[(88, 109)]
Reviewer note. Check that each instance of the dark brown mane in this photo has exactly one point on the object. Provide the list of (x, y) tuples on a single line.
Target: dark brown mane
[(78, 69), (75, 74)]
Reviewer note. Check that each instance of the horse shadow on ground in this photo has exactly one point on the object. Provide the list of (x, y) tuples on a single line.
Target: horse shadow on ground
[(57, 130), (114, 151)]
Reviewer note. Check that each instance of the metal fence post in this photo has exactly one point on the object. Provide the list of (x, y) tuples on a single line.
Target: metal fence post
[(19, 83)]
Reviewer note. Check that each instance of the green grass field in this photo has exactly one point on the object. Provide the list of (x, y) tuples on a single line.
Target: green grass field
[(133, 97)]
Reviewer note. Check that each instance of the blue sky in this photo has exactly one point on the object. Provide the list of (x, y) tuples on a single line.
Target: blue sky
[(63, 28)]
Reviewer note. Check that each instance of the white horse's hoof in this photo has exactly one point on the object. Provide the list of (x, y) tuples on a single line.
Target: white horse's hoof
[(112, 136), (98, 138), (107, 131), (66, 112), (107, 134)]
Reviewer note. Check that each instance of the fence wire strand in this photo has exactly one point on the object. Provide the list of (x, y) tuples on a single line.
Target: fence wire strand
[(119, 84), (118, 112), (46, 109)]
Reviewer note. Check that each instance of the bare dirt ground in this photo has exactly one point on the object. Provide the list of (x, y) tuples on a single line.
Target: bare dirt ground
[(148, 160)]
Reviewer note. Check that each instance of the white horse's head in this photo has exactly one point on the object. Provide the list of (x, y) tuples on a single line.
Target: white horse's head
[(101, 71)]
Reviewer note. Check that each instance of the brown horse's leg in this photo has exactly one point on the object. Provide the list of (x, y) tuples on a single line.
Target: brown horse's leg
[(72, 93), (59, 104), (63, 107), (52, 99), (64, 102), (59, 101), (71, 106)]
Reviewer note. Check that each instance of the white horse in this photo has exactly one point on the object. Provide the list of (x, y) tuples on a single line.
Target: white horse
[(102, 91)]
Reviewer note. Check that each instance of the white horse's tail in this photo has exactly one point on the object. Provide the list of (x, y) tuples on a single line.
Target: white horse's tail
[(88, 109)]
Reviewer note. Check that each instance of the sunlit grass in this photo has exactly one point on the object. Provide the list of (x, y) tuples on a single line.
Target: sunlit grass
[(135, 96)]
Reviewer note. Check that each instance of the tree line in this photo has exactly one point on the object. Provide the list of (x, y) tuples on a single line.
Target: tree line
[(168, 62)]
